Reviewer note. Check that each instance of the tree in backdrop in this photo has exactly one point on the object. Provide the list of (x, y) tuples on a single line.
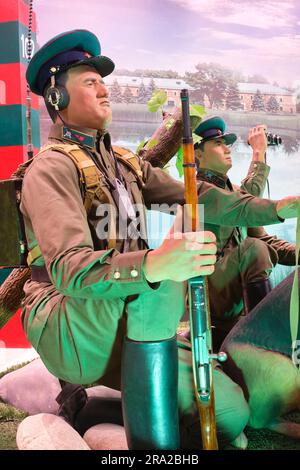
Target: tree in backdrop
[(128, 96), (150, 89), (115, 93), (147, 73), (258, 102), (290, 144), (298, 103), (233, 100), (142, 96), (256, 78), (272, 105), (211, 80)]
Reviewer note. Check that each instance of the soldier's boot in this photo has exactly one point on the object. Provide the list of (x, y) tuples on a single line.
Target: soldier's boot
[(150, 394), (83, 412), (71, 400), (254, 292)]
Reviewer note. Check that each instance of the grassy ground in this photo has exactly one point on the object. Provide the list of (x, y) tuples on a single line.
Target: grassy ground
[(10, 418), (258, 440)]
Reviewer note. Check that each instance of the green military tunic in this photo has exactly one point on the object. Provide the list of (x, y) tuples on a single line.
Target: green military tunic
[(89, 281), (246, 253)]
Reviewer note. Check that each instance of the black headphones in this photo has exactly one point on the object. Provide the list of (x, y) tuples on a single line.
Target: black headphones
[(57, 96)]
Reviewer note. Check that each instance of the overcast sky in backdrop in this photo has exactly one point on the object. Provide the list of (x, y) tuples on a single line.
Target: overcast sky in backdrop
[(252, 36)]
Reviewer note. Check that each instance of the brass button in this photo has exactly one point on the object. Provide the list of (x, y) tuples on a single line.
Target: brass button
[(117, 275), (255, 165), (134, 273)]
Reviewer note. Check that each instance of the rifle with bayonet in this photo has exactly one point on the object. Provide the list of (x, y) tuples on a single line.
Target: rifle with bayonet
[(200, 323)]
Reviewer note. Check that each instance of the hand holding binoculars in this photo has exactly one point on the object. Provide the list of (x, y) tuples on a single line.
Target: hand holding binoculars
[(272, 139)]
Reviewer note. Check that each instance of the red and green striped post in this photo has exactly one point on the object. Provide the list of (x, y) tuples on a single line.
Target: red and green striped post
[(14, 18)]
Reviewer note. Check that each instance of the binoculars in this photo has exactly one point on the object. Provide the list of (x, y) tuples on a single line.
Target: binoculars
[(273, 139)]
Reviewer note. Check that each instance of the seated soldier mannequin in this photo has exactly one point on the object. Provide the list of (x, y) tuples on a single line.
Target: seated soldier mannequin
[(246, 254)]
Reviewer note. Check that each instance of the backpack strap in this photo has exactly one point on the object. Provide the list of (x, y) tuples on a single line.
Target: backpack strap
[(131, 160), (90, 177)]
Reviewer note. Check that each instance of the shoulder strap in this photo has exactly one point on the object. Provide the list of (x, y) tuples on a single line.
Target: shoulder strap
[(90, 177), (130, 159)]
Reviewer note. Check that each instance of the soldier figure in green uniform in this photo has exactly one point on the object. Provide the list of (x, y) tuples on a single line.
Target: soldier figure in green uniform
[(246, 254)]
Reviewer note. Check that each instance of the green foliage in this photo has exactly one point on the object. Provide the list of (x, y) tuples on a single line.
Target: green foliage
[(196, 110), (179, 161), (151, 143), (141, 145), (157, 100)]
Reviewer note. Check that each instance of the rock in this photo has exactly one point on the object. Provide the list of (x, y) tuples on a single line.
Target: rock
[(31, 388), (106, 436), (259, 359), (48, 432)]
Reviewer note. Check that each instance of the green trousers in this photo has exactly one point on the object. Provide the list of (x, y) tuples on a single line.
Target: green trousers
[(80, 341)]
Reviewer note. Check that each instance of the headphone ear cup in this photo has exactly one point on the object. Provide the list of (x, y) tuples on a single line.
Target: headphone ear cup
[(64, 98), (58, 97)]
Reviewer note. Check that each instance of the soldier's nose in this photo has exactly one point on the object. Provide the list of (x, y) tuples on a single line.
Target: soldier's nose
[(102, 90)]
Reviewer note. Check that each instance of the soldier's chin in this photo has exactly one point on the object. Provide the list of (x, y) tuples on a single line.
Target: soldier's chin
[(107, 123)]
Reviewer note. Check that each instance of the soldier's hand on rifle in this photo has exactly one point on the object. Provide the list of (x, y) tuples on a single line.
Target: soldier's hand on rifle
[(288, 207), (181, 256), (258, 140)]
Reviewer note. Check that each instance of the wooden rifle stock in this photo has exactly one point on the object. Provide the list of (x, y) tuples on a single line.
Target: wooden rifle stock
[(198, 298)]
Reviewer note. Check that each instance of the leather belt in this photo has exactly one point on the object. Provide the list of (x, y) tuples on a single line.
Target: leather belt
[(40, 274)]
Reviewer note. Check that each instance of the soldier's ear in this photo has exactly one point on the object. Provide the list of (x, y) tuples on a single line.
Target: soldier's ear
[(198, 153)]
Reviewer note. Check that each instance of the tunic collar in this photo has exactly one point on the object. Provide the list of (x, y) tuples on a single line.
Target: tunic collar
[(214, 177), (89, 138)]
